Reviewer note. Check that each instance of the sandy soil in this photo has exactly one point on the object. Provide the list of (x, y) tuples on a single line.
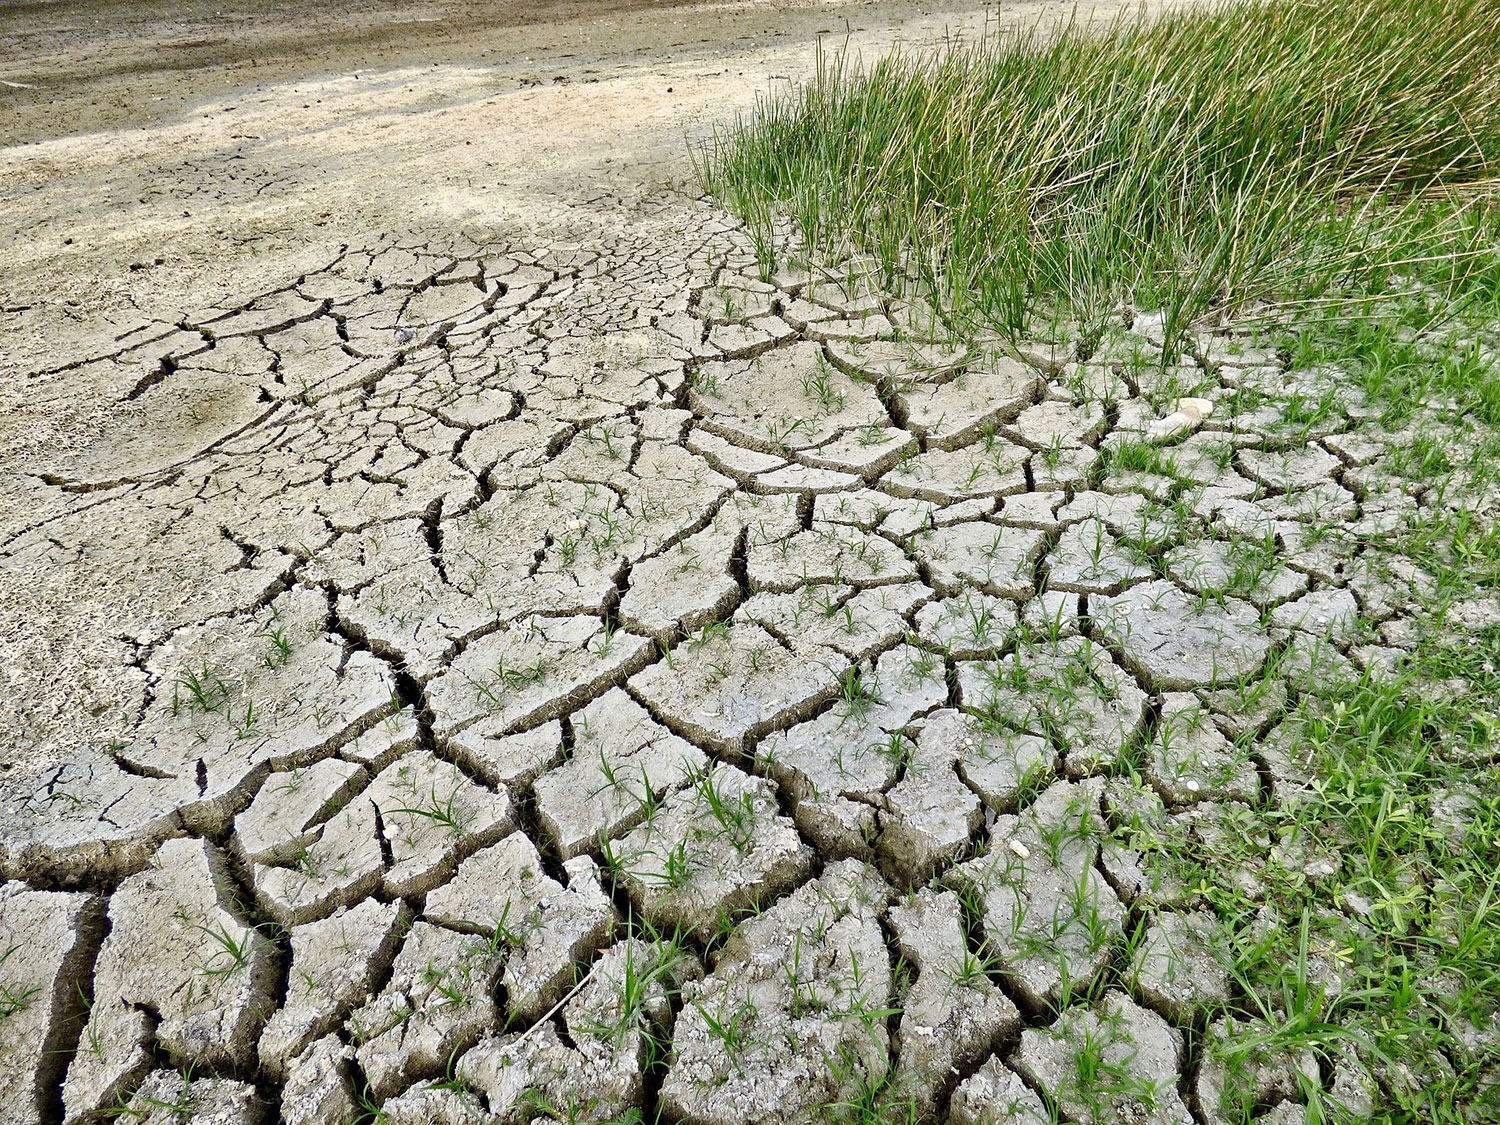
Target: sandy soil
[(160, 157), (159, 162), (376, 410)]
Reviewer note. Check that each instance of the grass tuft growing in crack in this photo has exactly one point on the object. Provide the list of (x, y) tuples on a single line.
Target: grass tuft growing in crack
[(1371, 932), (1202, 160)]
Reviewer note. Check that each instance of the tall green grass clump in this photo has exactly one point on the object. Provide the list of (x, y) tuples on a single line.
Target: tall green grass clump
[(1295, 151)]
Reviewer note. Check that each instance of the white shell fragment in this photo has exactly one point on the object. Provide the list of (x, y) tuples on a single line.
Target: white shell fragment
[(1188, 413)]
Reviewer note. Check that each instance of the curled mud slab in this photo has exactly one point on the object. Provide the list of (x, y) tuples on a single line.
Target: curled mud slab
[(538, 600)]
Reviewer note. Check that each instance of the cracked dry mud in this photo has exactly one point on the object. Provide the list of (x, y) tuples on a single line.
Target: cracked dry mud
[(633, 594)]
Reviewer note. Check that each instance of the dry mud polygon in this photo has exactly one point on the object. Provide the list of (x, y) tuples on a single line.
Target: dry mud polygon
[(497, 613)]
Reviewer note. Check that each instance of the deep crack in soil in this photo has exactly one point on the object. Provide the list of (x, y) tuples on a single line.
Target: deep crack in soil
[(500, 654)]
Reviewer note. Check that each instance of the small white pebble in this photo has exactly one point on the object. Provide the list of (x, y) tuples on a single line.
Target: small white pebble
[(1191, 786), (1021, 850), (1197, 408)]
